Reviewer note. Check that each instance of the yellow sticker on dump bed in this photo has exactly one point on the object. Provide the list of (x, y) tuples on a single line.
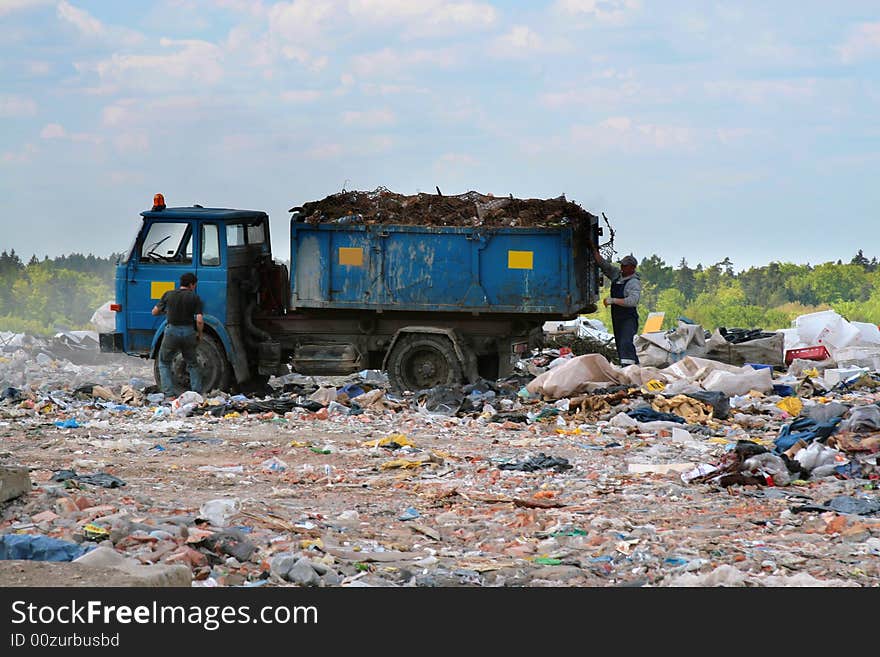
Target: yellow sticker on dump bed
[(158, 288), (351, 256), (520, 259)]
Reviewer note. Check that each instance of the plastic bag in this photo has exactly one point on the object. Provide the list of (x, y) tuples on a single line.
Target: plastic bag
[(218, 512), (739, 384)]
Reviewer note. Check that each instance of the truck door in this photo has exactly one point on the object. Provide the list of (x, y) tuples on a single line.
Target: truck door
[(211, 269), (162, 253)]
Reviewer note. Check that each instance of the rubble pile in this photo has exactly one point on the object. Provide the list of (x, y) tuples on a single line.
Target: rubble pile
[(571, 472), (382, 206)]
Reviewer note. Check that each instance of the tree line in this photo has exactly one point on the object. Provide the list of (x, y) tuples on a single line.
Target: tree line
[(48, 295), (44, 296)]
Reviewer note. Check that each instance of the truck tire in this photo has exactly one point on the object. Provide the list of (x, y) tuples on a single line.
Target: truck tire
[(212, 361), (420, 361)]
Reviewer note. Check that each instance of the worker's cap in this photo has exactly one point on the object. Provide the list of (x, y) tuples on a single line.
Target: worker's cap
[(629, 260)]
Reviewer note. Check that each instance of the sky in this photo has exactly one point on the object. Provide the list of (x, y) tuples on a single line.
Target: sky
[(703, 130)]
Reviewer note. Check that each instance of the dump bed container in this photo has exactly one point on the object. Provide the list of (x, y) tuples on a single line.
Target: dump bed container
[(522, 270)]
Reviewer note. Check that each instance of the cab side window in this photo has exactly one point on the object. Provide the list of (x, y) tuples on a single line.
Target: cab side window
[(235, 235), (210, 255)]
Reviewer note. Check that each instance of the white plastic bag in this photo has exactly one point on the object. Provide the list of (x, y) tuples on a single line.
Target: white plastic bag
[(739, 384)]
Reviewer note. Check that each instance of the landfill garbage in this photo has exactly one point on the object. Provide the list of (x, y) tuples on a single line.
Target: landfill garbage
[(442, 400), (539, 462), (98, 479), (648, 414), (843, 504), (274, 464), (816, 458), (410, 514), (806, 429), (219, 511), (861, 419), (719, 402), (324, 396), (33, 547)]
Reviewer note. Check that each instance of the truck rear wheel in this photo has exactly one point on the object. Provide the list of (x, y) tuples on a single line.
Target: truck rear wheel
[(419, 361), (212, 362)]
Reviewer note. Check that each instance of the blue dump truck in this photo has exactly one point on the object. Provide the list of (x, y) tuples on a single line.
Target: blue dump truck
[(433, 289)]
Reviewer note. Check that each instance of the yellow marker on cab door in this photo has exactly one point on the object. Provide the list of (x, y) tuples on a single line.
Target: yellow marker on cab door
[(158, 288)]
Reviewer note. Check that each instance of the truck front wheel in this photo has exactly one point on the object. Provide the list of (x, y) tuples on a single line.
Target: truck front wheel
[(212, 362), (420, 361)]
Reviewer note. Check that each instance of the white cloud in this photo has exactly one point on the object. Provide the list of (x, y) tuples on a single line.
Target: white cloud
[(378, 89), (21, 156), (521, 41), (254, 7), (16, 106), (9, 6), (312, 62), (425, 18), (759, 92), (301, 96), (132, 143), (57, 131), (621, 133), (53, 131), (863, 42), (195, 61), (128, 113), (388, 62), (614, 12), (369, 118), (302, 21), (87, 24)]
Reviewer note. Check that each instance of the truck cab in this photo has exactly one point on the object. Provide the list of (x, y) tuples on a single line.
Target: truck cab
[(223, 248)]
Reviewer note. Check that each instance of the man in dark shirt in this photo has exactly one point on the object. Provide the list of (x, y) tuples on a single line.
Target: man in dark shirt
[(181, 306), (626, 290)]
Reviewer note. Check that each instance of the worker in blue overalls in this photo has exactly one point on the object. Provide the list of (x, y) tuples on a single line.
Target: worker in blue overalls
[(626, 289)]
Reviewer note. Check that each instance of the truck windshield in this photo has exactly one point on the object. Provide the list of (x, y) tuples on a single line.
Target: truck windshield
[(167, 242)]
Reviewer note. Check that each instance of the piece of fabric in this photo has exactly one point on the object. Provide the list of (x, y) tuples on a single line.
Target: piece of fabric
[(862, 419), (718, 400), (182, 340), (806, 429), (692, 410), (32, 547), (98, 479), (648, 414), (539, 462), (824, 412), (844, 504)]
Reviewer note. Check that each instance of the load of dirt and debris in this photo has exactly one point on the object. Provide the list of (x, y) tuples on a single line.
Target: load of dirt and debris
[(382, 206)]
